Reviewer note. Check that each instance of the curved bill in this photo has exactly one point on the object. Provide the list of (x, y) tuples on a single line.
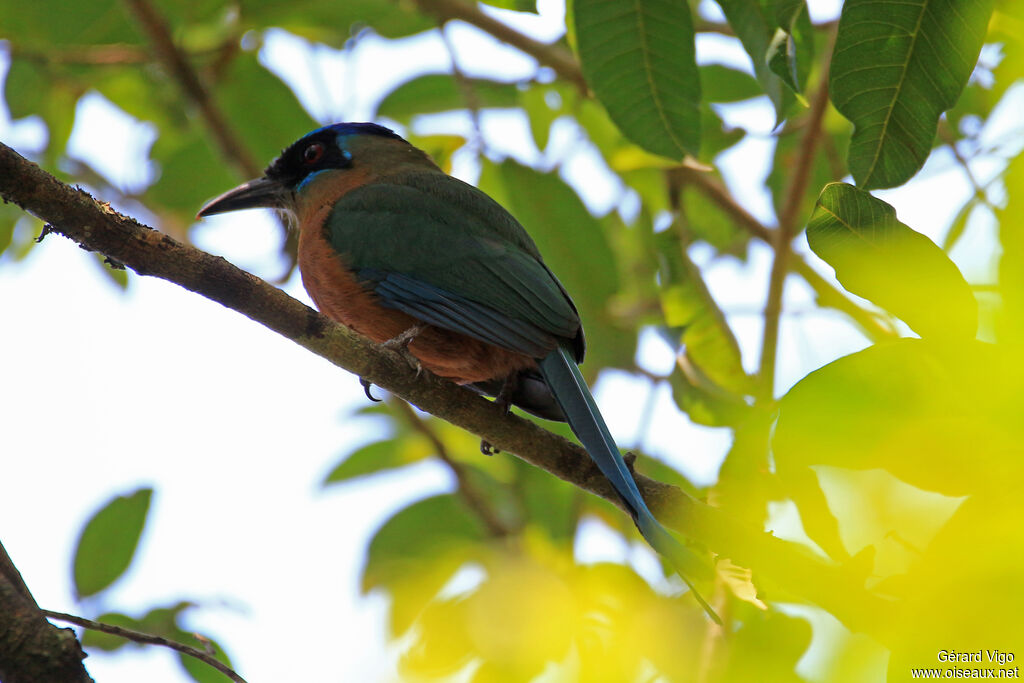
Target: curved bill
[(262, 192)]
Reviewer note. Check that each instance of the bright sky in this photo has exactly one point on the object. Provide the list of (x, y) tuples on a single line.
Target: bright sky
[(107, 391)]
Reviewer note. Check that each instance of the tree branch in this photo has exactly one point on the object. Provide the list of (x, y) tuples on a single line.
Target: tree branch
[(176, 63), (828, 295), (146, 639), (31, 648), (95, 226), (784, 236), (554, 56)]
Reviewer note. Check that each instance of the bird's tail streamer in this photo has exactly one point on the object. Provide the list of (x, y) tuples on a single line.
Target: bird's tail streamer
[(573, 395)]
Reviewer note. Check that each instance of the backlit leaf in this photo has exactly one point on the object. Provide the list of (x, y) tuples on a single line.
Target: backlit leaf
[(435, 93), (687, 304), (416, 551), (877, 257), (378, 456)]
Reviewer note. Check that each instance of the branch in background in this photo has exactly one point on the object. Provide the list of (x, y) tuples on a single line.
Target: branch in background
[(784, 234), (174, 60), (146, 639), (95, 226), (554, 56), (827, 294), (979, 190), (473, 498), (91, 55), (31, 648)]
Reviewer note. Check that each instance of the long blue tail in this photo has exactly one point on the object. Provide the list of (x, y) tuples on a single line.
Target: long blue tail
[(571, 391)]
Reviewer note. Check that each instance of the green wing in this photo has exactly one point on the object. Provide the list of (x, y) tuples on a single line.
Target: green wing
[(448, 254)]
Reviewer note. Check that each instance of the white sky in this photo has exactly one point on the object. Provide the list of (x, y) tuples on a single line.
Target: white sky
[(107, 391)]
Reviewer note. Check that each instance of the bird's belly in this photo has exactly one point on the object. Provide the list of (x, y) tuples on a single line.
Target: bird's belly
[(339, 295)]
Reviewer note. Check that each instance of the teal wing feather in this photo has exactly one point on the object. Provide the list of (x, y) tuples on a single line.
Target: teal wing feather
[(447, 253), (567, 384)]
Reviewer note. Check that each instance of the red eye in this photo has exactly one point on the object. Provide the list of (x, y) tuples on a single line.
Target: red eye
[(313, 153)]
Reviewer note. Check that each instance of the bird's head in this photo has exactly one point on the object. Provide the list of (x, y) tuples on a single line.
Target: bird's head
[(320, 167)]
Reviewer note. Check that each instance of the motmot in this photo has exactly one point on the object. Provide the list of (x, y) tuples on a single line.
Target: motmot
[(396, 249)]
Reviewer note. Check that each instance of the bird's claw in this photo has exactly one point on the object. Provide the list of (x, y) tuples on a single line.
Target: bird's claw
[(367, 385)]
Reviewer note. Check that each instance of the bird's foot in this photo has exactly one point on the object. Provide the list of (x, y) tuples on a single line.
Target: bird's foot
[(504, 398), (504, 401), (367, 385), (400, 345)]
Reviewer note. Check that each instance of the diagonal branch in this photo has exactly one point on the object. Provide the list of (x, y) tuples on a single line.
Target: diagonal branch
[(795, 193), (95, 226), (828, 295), (176, 63), (555, 56)]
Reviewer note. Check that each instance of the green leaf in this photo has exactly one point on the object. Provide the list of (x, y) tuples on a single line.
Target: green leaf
[(262, 109), (201, 671), (895, 69), (782, 60), (920, 409), (517, 5), (113, 271), (416, 552), (877, 257), (108, 642), (60, 23), (543, 103), (720, 83), (708, 343), (184, 158), (379, 456), (705, 220), (435, 93), (574, 245), (333, 23), (23, 88), (108, 542), (755, 32), (791, 50), (547, 501), (638, 56)]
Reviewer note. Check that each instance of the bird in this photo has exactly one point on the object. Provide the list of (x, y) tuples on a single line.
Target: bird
[(403, 253)]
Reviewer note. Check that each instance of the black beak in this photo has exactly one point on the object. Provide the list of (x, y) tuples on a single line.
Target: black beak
[(262, 192)]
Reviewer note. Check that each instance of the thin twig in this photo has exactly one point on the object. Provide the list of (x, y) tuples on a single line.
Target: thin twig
[(794, 198), (554, 56), (828, 295), (976, 187), (175, 61), (466, 89), (92, 55), (147, 639), (466, 490)]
